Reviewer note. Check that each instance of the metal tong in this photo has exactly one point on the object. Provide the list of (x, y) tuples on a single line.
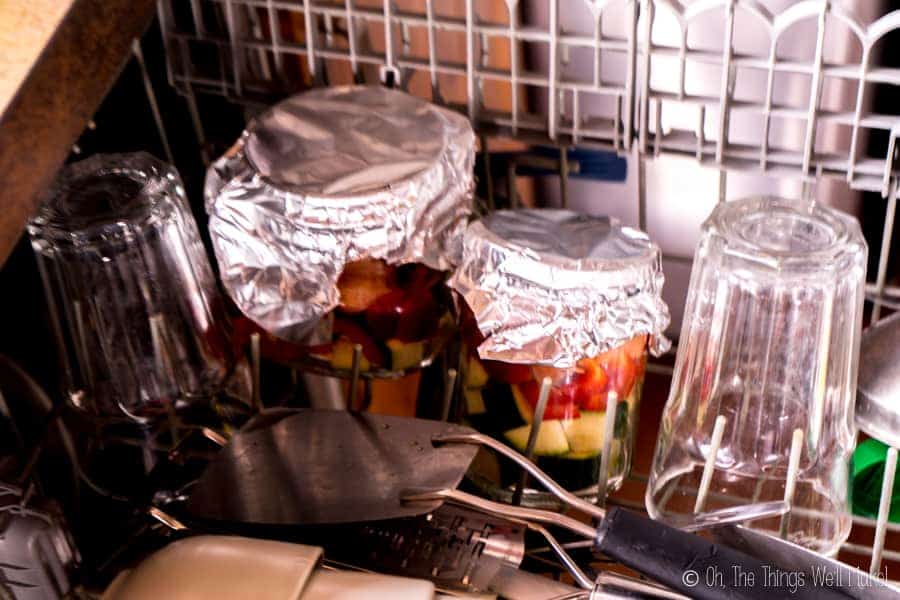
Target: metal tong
[(654, 549)]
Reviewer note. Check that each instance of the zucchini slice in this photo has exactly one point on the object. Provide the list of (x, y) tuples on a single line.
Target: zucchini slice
[(551, 439), (585, 434), (474, 402)]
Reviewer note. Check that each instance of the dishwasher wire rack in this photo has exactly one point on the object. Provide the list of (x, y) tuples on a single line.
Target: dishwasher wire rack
[(251, 50), (403, 45), (588, 73)]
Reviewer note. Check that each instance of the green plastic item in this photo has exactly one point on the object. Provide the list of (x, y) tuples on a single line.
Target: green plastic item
[(866, 475)]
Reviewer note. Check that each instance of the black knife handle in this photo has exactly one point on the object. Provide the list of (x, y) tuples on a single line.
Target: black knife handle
[(697, 567)]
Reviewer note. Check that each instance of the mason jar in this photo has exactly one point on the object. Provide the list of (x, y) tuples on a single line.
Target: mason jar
[(570, 299), (334, 221)]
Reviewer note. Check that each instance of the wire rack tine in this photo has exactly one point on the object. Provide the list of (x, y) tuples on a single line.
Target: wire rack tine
[(634, 96)]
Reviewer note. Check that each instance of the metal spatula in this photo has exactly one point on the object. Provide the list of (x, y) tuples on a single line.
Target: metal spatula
[(319, 467), (322, 467)]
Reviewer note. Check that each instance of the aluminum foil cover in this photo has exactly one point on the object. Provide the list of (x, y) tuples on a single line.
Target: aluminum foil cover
[(554, 286), (332, 176)]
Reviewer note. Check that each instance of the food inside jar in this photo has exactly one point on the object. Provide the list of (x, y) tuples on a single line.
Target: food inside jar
[(395, 313), (500, 400)]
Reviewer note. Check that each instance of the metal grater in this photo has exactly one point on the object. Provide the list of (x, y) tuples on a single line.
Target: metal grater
[(37, 554), (456, 548)]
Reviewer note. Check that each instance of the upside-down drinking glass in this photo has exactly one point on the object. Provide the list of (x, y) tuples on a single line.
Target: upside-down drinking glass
[(132, 297), (766, 371)]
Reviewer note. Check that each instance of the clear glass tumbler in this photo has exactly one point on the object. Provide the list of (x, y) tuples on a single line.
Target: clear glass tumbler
[(133, 301), (761, 405)]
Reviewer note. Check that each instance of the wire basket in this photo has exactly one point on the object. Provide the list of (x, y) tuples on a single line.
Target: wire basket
[(618, 75)]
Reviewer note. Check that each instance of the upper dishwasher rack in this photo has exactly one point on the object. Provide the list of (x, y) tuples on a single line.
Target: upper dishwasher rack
[(594, 72)]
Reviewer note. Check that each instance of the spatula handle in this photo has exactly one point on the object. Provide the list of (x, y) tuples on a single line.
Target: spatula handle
[(697, 567)]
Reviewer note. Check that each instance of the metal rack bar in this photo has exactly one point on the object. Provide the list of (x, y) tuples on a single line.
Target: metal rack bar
[(639, 106), (638, 47)]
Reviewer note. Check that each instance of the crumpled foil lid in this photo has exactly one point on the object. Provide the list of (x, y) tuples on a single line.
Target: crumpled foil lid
[(332, 176), (554, 286)]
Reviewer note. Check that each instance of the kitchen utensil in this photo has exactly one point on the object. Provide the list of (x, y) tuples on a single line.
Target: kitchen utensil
[(316, 467), (134, 305), (458, 549), (878, 391), (515, 584), (37, 554), (319, 467), (878, 414), (454, 547), (227, 567), (761, 404)]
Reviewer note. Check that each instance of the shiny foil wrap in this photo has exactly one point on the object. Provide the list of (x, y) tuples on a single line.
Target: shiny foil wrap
[(552, 286), (329, 177)]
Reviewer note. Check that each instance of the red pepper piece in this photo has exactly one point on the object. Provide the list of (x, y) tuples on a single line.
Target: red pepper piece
[(408, 315), (383, 314), (559, 404), (589, 387), (269, 346), (621, 370), (507, 372)]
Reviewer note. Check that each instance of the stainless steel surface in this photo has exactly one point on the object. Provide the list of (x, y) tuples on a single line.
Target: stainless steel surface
[(310, 467), (532, 515), (537, 420), (354, 376), (37, 555), (449, 394), (792, 558), (456, 548), (613, 581), (478, 439), (328, 177), (324, 392), (697, 522), (256, 397), (878, 393), (605, 43), (568, 563), (516, 584), (553, 286)]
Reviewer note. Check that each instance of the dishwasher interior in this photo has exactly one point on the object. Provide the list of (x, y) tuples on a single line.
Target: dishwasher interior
[(652, 111)]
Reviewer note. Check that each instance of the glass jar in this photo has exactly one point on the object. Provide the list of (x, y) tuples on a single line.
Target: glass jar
[(334, 219), (401, 315), (572, 299), (134, 305), (762, 397)]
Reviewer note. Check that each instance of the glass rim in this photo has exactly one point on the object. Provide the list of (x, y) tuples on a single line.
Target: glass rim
[(752, 229), (64, 219)]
